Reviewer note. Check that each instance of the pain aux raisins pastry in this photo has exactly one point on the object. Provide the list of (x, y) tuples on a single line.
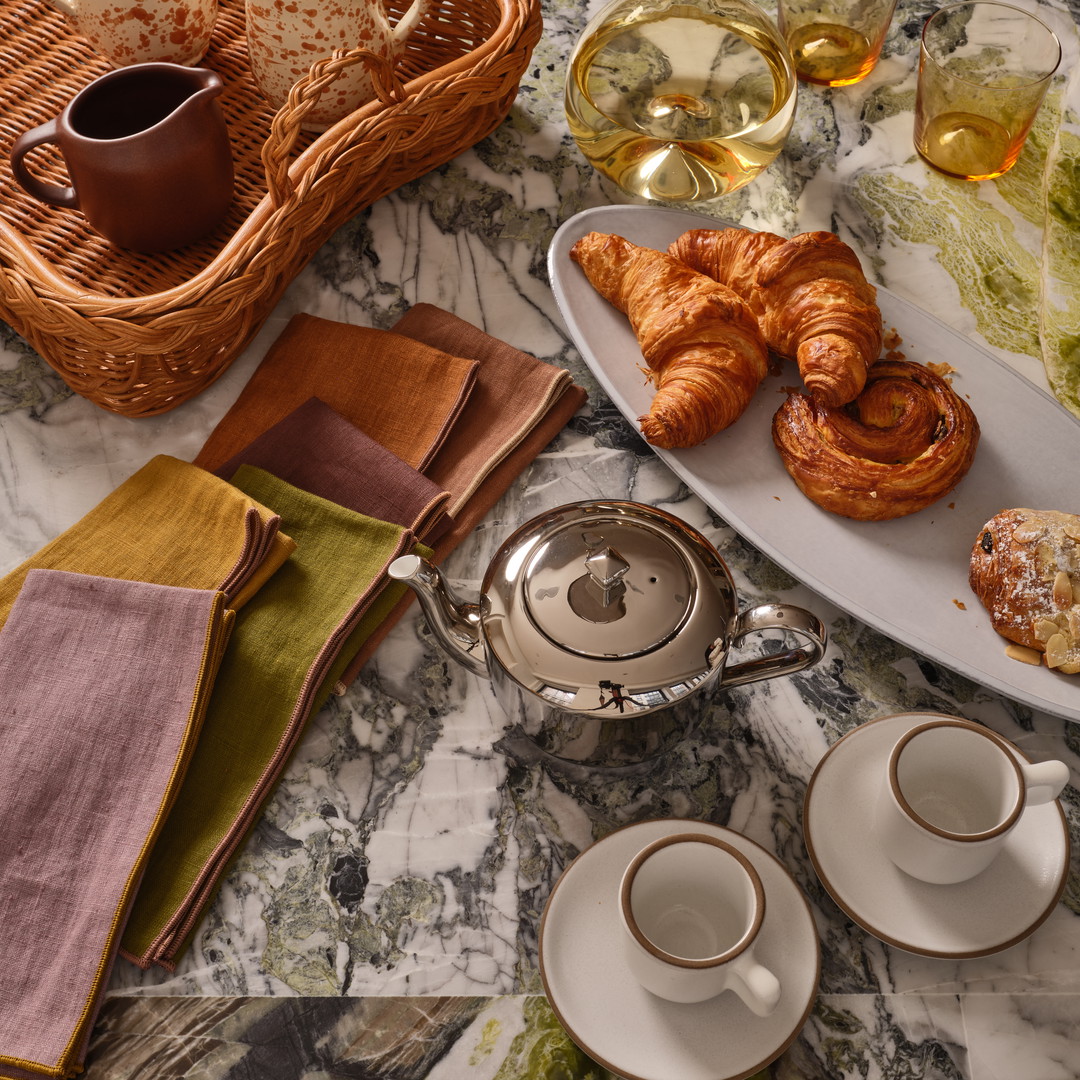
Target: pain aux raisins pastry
[(1025, 570), (903, 443)]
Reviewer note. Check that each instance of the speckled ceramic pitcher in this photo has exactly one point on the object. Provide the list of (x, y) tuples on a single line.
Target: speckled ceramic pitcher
[(134, 32), (285, 39)]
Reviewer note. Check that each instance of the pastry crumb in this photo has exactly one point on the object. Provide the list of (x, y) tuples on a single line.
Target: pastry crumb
[(942, 369), (960, 604)]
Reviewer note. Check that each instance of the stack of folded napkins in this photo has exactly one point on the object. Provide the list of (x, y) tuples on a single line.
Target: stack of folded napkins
[(160, 659)]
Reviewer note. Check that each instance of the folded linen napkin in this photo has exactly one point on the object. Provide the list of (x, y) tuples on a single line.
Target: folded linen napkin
[(170, 523), (318, 450), (285, 654), (518, 406), (408, 392), (104, 684)]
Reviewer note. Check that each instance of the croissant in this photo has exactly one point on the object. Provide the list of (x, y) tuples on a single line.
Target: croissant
[(1025, 569), (907, 440), (704, 351), (810, 298)]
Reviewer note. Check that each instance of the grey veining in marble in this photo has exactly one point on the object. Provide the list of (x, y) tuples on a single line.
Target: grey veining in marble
[(396, 878)]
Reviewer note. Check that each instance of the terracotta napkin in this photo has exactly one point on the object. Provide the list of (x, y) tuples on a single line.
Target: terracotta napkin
[(404, 394), (171, 524), (104, 684), (518, 406), (318, 450), (285, 654)]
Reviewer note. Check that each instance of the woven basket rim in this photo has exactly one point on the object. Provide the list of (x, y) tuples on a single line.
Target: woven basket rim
[(48, 280)]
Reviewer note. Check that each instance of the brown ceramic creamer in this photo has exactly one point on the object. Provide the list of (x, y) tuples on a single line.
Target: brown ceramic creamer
[(147, 154)]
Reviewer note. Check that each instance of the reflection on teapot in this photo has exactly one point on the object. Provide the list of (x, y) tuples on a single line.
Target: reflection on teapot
[(285, 39), (132, 32), (601, 626)]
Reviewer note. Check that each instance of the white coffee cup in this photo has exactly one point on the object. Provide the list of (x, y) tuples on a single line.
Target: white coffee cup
[(952, 793), (691, 907)]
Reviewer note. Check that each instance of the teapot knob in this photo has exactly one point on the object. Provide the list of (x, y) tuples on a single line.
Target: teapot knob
[(607, 568)]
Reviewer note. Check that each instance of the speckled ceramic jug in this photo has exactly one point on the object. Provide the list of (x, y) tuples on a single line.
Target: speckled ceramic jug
[(134, 32), (286, 38)]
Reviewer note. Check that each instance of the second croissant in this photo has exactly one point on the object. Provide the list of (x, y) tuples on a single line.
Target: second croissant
[(703, 347)]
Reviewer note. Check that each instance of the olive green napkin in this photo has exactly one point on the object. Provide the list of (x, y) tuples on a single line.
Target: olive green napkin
[(288, 647)]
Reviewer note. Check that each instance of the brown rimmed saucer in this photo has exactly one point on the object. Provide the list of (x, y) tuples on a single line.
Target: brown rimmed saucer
[(991, 912), (642, 1037)]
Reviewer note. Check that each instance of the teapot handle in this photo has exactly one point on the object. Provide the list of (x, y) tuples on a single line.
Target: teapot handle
[(776, 617)]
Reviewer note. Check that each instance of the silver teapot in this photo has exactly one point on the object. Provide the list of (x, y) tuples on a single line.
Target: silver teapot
[(599, 625)]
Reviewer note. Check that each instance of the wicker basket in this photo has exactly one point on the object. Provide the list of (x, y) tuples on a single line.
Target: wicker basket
[(141, 334)]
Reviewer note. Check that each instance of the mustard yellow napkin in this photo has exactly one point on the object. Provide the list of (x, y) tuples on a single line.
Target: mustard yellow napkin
[(286, 651), (171, 523), (104, 686)]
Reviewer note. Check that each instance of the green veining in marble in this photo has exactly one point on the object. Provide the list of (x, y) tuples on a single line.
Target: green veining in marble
[(489, 1037), (1061, 252), (977, 245), (543, 1050)]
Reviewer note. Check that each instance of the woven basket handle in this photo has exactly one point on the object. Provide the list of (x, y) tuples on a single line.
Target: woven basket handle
[(286, 125)]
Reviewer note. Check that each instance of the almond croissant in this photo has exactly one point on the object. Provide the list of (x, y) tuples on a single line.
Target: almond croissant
[(702, 344), (810, 298)]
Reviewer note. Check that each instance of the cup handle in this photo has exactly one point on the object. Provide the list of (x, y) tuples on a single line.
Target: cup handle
[(407, 23), (1044, 781), (776, 617), (53, 194), (758, 987)]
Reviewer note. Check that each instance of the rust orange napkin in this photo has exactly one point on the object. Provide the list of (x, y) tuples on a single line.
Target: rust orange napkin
[(171, 524), (518, 406), (406, 395), (104, 686)]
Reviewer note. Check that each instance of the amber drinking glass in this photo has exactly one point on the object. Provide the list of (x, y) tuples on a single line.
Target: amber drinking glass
[(984, 69), (834, 42)]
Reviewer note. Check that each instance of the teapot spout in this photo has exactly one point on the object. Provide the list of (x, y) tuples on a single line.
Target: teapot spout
[(454, 623)]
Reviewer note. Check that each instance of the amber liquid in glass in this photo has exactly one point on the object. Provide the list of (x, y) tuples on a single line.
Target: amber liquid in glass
[(966, 146), (831, 55), (679, 106)]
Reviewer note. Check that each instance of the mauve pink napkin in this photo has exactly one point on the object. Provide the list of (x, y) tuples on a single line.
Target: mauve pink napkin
[(104, 685), (317, 450)]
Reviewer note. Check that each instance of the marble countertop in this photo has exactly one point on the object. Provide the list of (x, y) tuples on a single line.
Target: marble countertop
[(382, 920)]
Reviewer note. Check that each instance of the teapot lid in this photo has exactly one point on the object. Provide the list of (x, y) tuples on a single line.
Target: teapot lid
[(600, 594)]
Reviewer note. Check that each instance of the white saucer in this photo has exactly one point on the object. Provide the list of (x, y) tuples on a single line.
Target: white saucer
[(641, 1037), (988, 913)]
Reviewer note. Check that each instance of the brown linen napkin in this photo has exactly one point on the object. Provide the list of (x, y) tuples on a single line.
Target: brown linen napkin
[(317, 450), (104, 686), (404, 394), (518, 406)]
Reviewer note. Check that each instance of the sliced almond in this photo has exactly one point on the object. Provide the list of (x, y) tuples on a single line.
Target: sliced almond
[(1057, 651), (1063, 590), (1074, 624), (1023, 654), (1027, 531), (1071, 528), (1044, 629)]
